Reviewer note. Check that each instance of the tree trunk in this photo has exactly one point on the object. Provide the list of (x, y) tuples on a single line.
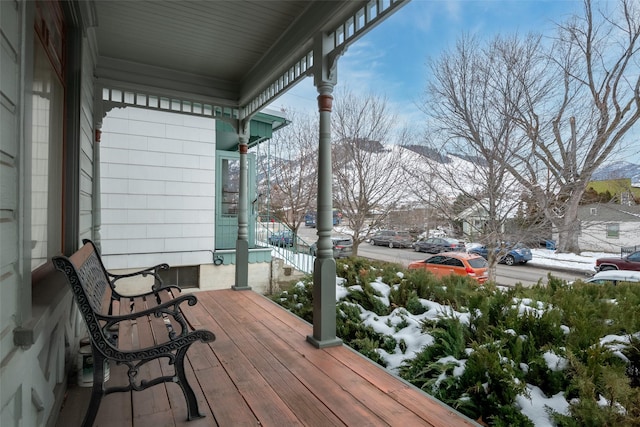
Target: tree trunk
[(356, 245), (568, 238), (569, 225)]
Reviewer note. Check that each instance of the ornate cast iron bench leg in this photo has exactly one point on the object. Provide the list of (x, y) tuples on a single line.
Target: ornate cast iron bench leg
[(192, 402), (97, 391)]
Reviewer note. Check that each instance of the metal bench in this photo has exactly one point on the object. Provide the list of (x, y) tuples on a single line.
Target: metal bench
[(131, 330)]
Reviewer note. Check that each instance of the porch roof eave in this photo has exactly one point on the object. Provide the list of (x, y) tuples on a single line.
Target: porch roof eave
[(288, 60)]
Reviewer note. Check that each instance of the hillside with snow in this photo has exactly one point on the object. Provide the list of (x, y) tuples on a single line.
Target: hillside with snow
[(617, 170), (430, 176)]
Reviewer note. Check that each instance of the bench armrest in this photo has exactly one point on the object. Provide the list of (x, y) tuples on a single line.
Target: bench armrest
[(153, 271), (168, 308)]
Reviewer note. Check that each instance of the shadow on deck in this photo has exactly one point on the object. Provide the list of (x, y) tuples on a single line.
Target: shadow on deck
[(262, 371)]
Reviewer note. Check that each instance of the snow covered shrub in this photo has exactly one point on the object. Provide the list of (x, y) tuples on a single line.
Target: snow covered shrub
[(414, 306), (497, 355), (298, 299), (449, 340), (364, 339), (549, 376), (598, 393), (491, 382), (357, 271), (632, 352), (368, 298)]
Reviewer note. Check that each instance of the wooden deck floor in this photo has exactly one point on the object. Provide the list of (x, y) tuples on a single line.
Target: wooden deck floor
[(261, 371)]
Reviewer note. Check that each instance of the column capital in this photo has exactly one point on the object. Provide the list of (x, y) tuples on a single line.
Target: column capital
[(325, 60)]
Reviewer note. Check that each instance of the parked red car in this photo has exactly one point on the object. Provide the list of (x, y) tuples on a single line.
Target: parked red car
[(460, 263), (629, 262)]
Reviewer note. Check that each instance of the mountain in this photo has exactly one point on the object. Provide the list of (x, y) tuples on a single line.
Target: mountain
[(429, 153), (616, 170)]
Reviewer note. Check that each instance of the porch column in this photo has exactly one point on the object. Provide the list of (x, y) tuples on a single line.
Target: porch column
[(96, 204), (242, 243), (324, 268)]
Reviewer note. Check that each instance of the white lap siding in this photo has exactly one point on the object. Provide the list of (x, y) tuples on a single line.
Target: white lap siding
[(157, 188)]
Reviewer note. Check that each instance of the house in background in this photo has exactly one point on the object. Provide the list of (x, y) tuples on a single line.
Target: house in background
[(66, 67), (607, 227), (622, 190), (476, 219), (170, 192)]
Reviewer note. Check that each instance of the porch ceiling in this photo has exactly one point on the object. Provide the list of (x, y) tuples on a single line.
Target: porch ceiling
[(227, 52)]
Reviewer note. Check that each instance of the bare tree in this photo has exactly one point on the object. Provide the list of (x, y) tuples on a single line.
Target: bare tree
[(430, 193), (469, 108), (289, 172), (593, 68), (557, 110), (367, 167)]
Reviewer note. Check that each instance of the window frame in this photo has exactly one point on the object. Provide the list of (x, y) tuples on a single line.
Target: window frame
[(613, 230), (48, 124)]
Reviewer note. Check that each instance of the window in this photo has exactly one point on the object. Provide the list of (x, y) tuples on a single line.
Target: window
[(184, 276), (613, 231), (230, 186), (46, 159), (478, 262), (454, 262)]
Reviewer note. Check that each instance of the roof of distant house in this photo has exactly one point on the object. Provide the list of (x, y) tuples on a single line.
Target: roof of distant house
[(609, 212)]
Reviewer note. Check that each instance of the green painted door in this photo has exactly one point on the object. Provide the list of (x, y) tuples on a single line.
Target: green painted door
[(227, 198)]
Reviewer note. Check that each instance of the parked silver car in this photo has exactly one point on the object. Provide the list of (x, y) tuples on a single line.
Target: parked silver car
[(342, 247), (615, 276)]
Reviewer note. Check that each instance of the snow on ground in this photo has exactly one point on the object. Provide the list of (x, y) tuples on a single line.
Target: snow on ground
[(551, 259)]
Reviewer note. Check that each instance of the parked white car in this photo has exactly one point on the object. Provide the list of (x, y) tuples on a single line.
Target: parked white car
[(615, 276)]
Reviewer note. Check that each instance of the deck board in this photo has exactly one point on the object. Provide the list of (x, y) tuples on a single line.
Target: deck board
[(260, 370), (274, 370)]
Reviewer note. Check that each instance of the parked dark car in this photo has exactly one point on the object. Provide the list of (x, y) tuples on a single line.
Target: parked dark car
[(436, 245), (517, 254), (282, 238), (629, 262), (342, 247), (310, 219), (392, 238)]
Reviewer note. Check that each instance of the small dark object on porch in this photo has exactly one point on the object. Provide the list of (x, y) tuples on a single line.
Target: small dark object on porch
[(94, 291)]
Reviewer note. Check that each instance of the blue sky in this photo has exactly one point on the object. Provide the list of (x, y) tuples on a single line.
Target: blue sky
[(391, 60)]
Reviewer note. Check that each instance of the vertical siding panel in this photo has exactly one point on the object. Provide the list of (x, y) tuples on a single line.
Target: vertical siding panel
[(12, 396), (87, 144)]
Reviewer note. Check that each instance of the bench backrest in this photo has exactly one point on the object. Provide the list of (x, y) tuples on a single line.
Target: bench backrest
[(89, 284)]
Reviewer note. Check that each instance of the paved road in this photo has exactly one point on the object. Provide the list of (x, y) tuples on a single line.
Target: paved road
[(505, 275)]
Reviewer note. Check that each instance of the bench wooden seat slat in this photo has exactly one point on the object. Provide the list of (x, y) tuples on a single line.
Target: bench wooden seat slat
[(145, 334)]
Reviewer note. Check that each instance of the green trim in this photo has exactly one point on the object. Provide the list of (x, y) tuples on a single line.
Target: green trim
[(261, 128), (256, 256)]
